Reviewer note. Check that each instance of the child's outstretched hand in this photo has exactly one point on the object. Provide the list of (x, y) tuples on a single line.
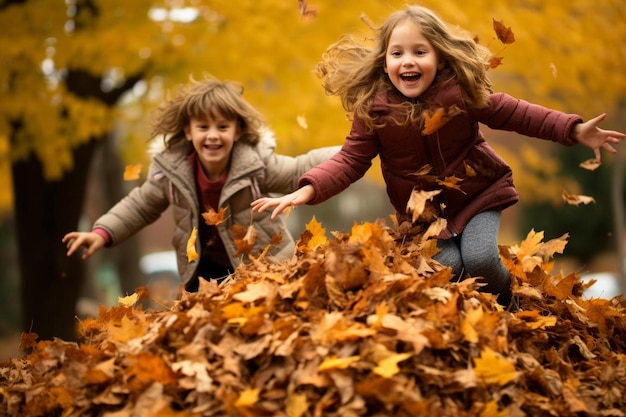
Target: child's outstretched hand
[(298, 197), (89, 240), (590, 135)]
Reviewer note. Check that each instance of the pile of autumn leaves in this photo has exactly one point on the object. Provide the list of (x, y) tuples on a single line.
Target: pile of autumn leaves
[(359, 324)]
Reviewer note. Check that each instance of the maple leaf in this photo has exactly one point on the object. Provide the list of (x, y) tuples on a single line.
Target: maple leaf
[(192, 255), (131, 172), (504, 34), (590, 164), (246, 244), (129, 300), (450, 182), (417, 202), (576, 200), (432, 122), (493, 368), (213, 218), (317, 235)]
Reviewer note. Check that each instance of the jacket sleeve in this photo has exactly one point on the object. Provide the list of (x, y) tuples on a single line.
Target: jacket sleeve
[(346, 167), (508, 113), (282, 171), (142, 206)]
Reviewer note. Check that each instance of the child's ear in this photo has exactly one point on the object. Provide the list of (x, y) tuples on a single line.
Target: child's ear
[(187, 131)]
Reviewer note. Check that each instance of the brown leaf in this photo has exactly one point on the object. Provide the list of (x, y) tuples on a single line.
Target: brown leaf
[(213, 218), (504, 34)]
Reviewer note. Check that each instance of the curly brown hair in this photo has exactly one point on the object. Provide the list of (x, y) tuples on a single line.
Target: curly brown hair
[(208, 97)]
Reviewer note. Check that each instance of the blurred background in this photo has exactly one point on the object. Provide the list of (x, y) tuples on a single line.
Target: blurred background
[(79, 80)]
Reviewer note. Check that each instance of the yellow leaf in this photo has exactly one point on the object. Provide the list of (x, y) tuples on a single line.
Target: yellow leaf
[(192, 255), (247, 398), (334, 362), (388, 367), (129, 300), (493, 368), (474, 316), (297, 405), (318, 233), (576, 200), (131, 172)]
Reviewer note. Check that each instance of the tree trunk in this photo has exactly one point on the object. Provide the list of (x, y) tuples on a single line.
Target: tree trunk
[(44, 212)]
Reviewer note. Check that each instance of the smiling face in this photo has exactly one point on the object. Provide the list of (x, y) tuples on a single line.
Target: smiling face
[(410, 61), (213, 139)]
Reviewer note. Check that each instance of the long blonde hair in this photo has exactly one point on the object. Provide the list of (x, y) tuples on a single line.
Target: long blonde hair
[(355, 71), (207, 97)]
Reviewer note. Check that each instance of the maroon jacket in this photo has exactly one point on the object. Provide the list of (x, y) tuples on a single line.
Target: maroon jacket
[(404, 150)]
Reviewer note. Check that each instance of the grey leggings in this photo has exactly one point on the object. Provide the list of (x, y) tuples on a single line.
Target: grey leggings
[(475, 253)]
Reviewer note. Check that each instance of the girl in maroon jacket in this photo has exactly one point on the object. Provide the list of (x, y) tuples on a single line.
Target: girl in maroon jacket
[(421, 67)]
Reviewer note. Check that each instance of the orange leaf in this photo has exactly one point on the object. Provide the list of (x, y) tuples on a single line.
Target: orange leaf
[(318, 234), (131, 172), (432, 122), (192, 255), (504, 34), (245, 244), (212, 218), (450, 182), (495, 62)]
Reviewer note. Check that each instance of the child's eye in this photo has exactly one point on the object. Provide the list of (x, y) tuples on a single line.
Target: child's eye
[(396, 54)]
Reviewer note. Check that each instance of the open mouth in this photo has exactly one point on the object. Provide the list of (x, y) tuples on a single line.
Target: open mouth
[(213, 147), (411, 76)]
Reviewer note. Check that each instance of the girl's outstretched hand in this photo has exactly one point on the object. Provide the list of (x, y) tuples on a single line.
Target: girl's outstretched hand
[(300, 196), (590, 135), (89, 240)]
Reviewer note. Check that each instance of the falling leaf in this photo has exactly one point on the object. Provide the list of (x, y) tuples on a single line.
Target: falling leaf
[(590, 164), (504, 34), (131, 172), (129, 300), (469, 171), (417, 202), (553, 70), (307, 12), (276, 239), (213, 218), (246, 244), (302, 122), (192, 255), (495, 62), (432, 122), (576, 200), (450, 182)]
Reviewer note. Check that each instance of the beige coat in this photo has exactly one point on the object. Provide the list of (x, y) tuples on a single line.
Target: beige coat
[(255, 171)]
